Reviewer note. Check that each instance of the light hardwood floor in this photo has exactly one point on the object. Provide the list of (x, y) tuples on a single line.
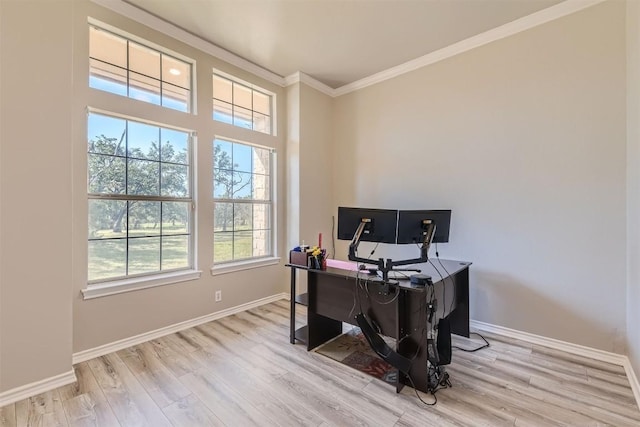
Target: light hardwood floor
[(242, 371)]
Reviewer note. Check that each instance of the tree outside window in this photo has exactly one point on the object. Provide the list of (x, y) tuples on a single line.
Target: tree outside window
[(242, 201)]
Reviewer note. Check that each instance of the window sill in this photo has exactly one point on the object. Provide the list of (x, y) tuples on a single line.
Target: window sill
[(243, 265), (135, 284)]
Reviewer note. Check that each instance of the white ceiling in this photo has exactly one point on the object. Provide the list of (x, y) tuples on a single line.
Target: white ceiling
[(336, 41)]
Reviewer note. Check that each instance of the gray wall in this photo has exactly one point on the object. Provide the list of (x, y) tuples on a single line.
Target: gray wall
[(633, 182), (524, 139), (35, 191)]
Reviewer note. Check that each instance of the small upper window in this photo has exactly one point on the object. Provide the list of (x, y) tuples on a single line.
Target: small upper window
[(131, 69), (242, 105)]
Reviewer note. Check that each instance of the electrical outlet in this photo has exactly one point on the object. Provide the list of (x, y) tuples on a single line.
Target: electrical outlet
[(218, 296)]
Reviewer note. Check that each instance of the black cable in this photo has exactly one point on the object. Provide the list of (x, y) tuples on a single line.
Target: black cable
[(435, 399), (455, 290), (333, 236), (473, 350), (444, 287)]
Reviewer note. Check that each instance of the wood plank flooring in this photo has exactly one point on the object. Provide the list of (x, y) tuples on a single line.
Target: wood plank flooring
[(242, 371)]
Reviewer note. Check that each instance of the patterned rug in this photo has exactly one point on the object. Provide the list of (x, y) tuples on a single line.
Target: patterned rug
[(352, 349)]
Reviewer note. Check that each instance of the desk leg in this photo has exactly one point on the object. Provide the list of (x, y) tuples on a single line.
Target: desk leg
[(401, 330), (292, 318), (459, 317)]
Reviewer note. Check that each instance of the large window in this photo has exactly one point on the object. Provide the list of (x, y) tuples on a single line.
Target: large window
[(140, 198), (124, 67), (243, 205), (241, 104)]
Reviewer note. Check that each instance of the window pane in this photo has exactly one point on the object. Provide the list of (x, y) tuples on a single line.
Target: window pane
[(222, 89), (107, 47), (144, 60), (261, 103), (222, 184), (175, 252), (144, 255), (144, 88), (223, 246), (261, 161), (175, 146), (144, 218), (175, 97), (242, 118), (107, 77), (142, 141), (242, 158), (242, 216), (106, 174), (222, 154), (107, 219), (261, 123), (176, 72), (175, 180), (242, 96), (261, 216), (106, 135), (107, 258), (222, 111), (242, 245), (223, 217), (143, 177), (261, 243), (175, 217), (261, 187), (242, 185)]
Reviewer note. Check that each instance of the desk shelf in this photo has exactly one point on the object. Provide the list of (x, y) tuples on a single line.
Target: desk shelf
[(302, 334), (303, 299)]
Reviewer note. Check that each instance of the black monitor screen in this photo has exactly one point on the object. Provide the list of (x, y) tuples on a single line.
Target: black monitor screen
[(410, 229), (381, 228)]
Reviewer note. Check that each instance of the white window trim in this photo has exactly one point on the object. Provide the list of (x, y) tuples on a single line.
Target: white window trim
[(138, 283), (234, 266)]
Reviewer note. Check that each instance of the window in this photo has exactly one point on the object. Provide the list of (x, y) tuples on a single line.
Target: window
[(241, 105), (242, 201), (140, 198), (124, 67)]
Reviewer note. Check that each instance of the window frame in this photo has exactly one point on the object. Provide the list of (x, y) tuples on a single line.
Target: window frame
[(253, 88), (221, 267), (114, 285), (193, 101)]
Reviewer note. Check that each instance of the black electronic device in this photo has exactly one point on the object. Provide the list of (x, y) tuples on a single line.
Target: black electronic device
[(421, 280), (379, 224), (412, 228)]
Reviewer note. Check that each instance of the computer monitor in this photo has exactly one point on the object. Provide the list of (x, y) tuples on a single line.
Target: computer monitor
[(411, 229), (380, 226)]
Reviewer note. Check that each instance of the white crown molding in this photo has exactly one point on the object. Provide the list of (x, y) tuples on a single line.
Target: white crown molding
[(147, 336), (145, 18), (300, 77), (593, 353), (11, 396), (559, 10)]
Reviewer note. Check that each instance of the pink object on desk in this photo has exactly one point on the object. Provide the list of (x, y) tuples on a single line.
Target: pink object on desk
[(344, 265), (320, 240)]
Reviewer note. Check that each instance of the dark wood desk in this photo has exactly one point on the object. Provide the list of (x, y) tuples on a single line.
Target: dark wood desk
[(336, 295)]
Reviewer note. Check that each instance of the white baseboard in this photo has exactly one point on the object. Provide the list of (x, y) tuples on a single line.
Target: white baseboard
[(580, 350), (92, 353), (11, 396)]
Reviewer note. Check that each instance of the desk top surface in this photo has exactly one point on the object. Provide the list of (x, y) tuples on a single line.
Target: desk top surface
[(438, 269)]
